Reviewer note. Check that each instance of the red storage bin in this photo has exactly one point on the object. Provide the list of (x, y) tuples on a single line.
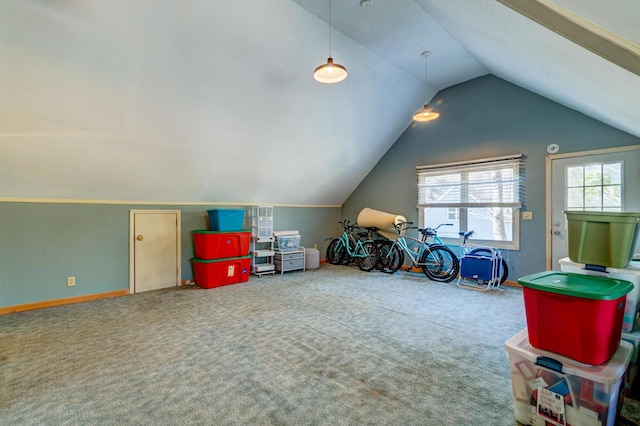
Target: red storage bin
[(219, 272), (574, 315), (217, 245)]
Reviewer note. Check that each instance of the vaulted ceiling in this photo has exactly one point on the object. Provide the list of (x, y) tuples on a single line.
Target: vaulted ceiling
[(214, 100)]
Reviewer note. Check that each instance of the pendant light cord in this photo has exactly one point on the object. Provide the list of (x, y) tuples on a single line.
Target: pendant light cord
[(426, 54), (426, 88), (329, 28)]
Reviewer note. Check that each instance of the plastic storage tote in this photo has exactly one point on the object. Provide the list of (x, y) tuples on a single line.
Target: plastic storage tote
[(631, 273), (226, 219), (602, 238), (219, 272), (218, 244), (288, 242), (632, 371), (578, 316), (556, 391)]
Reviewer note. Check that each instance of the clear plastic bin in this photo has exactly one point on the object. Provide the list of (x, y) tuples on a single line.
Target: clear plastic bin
[(558, 390)]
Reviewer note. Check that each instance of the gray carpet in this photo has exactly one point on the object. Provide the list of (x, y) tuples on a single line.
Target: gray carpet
[(332, 346)]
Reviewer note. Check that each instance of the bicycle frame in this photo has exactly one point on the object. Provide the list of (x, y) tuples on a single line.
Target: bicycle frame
[(438, 262), (345, 248), (353, 247), (414, 256)]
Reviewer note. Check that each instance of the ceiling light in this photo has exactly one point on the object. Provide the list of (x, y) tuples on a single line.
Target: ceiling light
[(425, 114), (330, 72)]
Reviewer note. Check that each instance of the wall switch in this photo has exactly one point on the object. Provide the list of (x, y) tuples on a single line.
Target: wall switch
[(527, 215), (71, 281)]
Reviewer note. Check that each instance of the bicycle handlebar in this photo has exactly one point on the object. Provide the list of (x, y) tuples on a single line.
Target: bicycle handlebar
[(347, 226), (401, 226)]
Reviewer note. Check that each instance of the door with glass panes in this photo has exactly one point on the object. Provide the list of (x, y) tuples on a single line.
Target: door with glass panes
[(604, 180)]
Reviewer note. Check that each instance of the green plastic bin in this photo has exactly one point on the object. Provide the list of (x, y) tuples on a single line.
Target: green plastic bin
[(602, 238)]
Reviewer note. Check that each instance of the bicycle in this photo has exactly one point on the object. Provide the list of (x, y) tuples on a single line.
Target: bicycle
[(427, 233), (439, 263), (346, 248)]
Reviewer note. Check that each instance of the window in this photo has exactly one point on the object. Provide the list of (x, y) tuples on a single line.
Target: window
[(482, 195), (595, 187)]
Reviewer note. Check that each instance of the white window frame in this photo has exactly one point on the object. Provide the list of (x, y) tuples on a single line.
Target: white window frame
[(602, 185), (464, 168)]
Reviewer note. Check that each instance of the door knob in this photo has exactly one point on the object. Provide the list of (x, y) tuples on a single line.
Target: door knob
[(556, 232), (556, 223), (139, 238)]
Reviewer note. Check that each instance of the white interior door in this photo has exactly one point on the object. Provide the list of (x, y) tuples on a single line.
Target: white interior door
[(561, 188), (155, 249)]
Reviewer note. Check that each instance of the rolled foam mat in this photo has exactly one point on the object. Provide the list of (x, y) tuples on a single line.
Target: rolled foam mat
[(383, 221)]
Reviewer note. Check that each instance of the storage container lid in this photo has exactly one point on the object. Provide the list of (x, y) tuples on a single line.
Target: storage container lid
[(608, 373), (577, 285), (219, 232), (222, 259)]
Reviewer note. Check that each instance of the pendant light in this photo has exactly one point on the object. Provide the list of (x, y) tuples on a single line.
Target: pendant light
[(425, 114), (330, 72)]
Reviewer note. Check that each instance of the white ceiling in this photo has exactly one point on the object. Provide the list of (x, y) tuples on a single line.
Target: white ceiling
[(214, 101)]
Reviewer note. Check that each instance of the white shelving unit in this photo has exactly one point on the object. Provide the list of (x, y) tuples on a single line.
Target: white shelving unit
[(262, 240)]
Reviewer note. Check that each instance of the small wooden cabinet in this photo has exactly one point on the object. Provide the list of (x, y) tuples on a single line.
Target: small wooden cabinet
[(289, 260)]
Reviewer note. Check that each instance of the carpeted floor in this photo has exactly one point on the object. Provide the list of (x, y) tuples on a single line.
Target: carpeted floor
[(332, 346)]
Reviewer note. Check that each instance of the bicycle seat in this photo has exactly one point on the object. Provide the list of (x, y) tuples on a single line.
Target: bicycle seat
[(429, 232), (467, 234)]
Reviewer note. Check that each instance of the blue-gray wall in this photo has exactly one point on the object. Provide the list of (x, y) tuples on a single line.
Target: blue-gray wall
[(485, 117), (43, 243)]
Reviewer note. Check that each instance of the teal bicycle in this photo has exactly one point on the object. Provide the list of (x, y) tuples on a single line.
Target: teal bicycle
[(346, 248), (439, 263)]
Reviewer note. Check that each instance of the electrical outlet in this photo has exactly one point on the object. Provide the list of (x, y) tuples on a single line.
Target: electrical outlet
[(71, 281), (527, 215)]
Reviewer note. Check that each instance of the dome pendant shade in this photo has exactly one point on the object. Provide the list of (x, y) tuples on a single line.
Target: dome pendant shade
[(330, 72), (425, 114)]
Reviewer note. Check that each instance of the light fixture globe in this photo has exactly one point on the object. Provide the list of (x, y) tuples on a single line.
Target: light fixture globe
[(330, 72), (425, 114)]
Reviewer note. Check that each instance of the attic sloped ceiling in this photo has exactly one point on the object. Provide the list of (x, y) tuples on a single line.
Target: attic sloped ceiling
[(531, 56), (214, 101), (189, 101)]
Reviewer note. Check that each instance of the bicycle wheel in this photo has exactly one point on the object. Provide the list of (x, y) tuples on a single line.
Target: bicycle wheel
[(336, 252), (439, 263), (372, 256), (504, 268), (391, 257)]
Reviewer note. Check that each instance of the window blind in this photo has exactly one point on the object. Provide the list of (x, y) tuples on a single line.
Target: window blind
[(492, 182)]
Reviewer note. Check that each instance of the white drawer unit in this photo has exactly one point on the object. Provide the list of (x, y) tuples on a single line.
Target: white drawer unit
[(289, 260)]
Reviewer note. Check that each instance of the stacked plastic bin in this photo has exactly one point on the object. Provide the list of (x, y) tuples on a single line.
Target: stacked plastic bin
[(568, 367), (222, 253), (620, 232)]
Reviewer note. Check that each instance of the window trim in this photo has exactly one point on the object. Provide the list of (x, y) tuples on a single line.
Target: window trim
[(516, 207), (601, 186)]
